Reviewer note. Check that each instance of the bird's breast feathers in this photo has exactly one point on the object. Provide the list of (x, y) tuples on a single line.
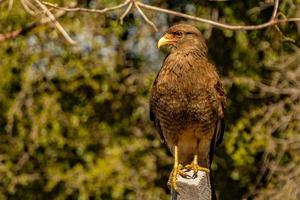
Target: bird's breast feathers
[(185, 87), (186, 74)]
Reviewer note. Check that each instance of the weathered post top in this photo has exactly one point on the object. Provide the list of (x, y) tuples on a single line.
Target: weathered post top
[(193, 187)]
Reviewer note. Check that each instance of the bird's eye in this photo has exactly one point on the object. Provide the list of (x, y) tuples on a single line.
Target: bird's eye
[(178, 33)]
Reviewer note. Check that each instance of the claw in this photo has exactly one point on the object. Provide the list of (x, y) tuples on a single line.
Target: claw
[(173, 176), (177, 170), (195, 167)]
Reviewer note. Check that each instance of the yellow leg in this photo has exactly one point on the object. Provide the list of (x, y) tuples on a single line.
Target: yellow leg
[(177, 169), (195, 167)]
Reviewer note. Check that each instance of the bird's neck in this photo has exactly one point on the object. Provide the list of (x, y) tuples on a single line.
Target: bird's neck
[(196, 51)]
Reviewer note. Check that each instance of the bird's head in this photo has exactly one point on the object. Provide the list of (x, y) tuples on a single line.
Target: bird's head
[(183, 36)]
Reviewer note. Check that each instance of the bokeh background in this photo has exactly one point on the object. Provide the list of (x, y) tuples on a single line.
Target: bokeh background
[(74, 120)]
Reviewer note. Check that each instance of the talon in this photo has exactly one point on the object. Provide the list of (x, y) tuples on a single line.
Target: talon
[(173, 176), (196, 168)]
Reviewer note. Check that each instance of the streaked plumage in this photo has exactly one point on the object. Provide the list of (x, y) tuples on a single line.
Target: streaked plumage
[(187, 98)]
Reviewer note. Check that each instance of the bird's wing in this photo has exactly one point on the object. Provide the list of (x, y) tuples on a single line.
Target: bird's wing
[(220, 123), (210, 78), (152, 112), (157, 125), (219, 131)]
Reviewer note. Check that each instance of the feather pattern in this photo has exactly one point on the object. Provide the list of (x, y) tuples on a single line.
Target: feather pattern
[(187, 100)]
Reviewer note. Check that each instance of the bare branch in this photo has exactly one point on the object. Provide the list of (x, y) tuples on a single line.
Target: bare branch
[(284, 38), (25, 29), (29, 7), (16, 33), (273, 20), (217, 24), (33, 10), (126, 13), (275, 9), (145, 17), (55, 22), (105, 10)]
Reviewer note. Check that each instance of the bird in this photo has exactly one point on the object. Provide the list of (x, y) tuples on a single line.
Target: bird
[(187, 102)]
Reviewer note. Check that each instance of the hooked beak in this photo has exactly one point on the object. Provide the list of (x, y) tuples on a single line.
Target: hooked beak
[(165, 40)]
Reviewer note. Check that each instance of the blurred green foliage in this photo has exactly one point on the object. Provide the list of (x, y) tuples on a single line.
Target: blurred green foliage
[(74, 119)]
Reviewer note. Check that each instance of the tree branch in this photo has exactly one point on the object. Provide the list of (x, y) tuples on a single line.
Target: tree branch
[(31, 9), (105, 10), (125, 13), (24, 30), (145, 17), (271, 22), (55, 22), (275, 9), (16, 33)]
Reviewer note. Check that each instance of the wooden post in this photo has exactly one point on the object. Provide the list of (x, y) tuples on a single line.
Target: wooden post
[(193, 187)]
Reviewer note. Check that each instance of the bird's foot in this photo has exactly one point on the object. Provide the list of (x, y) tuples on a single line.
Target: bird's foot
[(173, 176), (196, 168)]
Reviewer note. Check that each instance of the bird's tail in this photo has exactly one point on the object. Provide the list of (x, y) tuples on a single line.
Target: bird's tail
[(211, 176), (212, 185)]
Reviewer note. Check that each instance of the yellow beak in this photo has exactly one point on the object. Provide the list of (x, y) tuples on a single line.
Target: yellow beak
[(164, 41)]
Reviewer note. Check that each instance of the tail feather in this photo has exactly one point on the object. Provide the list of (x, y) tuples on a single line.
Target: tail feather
[(212, 185), (213, 145)]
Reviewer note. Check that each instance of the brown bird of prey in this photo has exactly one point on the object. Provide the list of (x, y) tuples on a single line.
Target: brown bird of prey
[(187, 101)]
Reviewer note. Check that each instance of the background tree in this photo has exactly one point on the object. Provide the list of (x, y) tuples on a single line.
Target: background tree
[(74, 118)]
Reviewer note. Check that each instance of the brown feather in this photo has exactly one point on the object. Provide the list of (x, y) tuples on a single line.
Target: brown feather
[(187, 99)]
